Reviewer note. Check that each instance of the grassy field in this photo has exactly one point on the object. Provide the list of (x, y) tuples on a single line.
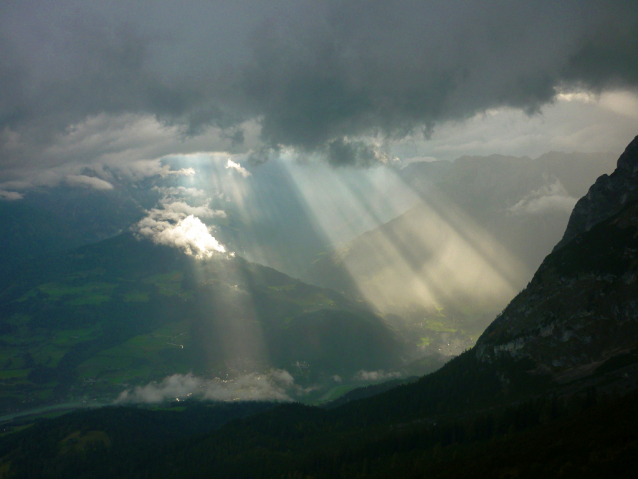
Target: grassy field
[(140, 358), (13, 374), (169, 284), (337, 392), (136, 297), (93, 293), (69, 337)]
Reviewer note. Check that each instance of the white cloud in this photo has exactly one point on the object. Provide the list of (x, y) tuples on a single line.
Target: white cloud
[(132, 146), (237, 167), (552, 197), (180, 191), (10, 195), (188, 234), (379, 375), (251, 387), (177, 223), (71, 174), (621, 102), (84, 181), (182, 172), (546, 203), (140, 169), (282, 377), (183, 208), (581, 96)]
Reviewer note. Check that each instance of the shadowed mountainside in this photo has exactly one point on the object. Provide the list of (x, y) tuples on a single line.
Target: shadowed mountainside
[(87, 323), (607, 196), (580, 308)]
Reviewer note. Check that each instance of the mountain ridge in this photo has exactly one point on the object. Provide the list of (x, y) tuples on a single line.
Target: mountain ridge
[(606, 196), (579, 309)]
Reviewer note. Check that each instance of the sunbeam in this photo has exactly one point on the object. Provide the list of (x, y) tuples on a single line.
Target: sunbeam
[(433, 261), (228, 333)]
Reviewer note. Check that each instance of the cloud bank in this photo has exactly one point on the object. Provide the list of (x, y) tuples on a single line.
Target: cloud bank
[(552, 197), (84, 181), (328, 78), (251, 387), (238, 168), (176, 223), (10, 195), (178, 209), (379, 375)]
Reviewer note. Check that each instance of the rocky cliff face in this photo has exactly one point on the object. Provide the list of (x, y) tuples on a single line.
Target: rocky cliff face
[(581, 307), (606, 197)]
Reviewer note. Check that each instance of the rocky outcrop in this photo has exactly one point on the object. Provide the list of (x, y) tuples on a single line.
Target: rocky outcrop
[(581, 307), (606, 197)]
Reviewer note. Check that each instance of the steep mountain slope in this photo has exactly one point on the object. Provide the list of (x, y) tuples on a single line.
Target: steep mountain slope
[(88, 323), (580, 308), (606, 197), (592, 316)]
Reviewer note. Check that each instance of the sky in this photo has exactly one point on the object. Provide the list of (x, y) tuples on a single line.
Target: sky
[(122, 85)]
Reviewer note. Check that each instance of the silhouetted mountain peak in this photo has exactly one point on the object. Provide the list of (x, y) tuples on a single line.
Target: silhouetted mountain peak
[(607, 196)]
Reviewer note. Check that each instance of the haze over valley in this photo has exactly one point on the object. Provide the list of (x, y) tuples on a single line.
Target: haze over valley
[(340, 239)]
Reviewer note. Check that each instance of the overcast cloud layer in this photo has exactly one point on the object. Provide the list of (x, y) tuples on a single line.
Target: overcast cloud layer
[(334, 78)]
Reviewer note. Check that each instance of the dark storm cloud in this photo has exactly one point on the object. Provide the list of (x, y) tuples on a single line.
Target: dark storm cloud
[(317, 77), (379, 67), (356, 153), (98, 69)]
